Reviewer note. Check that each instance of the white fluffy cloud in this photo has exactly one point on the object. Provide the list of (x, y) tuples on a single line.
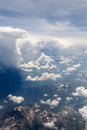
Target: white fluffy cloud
[(52, 103), (43, 62), (45, 94), (80, 91), (74, 67), (83, 112), (44, 76), (69, 98), (15, 99), (50, 124)]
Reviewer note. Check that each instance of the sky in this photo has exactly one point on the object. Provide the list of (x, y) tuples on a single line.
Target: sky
[(65, 20), (32, 33)]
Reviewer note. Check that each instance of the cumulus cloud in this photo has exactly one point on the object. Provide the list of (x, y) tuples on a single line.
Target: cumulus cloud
[(8, 37), (45, 58), (42, 51), (65, 60), (50, 124), (16, 99), (1, 107), (70, 69), (55, 95), (74, 67), (80, 91), (83, 112), (44, 76), (69, 98), (42, 62), (45, 94), (52, 103)]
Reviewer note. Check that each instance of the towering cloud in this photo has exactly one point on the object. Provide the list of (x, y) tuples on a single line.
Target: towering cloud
[(8, 52)]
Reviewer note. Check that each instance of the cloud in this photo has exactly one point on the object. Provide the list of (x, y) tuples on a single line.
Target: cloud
[(43, 62), (80, 91), (65, 60), (50, 124), (55, 95), (70, 69), (52, 103), (44, 58), (37, 58), (83, 112), (65, 21), (8, 37), (16, 99), (69, 98), (1, 107), (74, 67), (45, 94), (20, 51), (64, 31), (43, 9), (44, 76)]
